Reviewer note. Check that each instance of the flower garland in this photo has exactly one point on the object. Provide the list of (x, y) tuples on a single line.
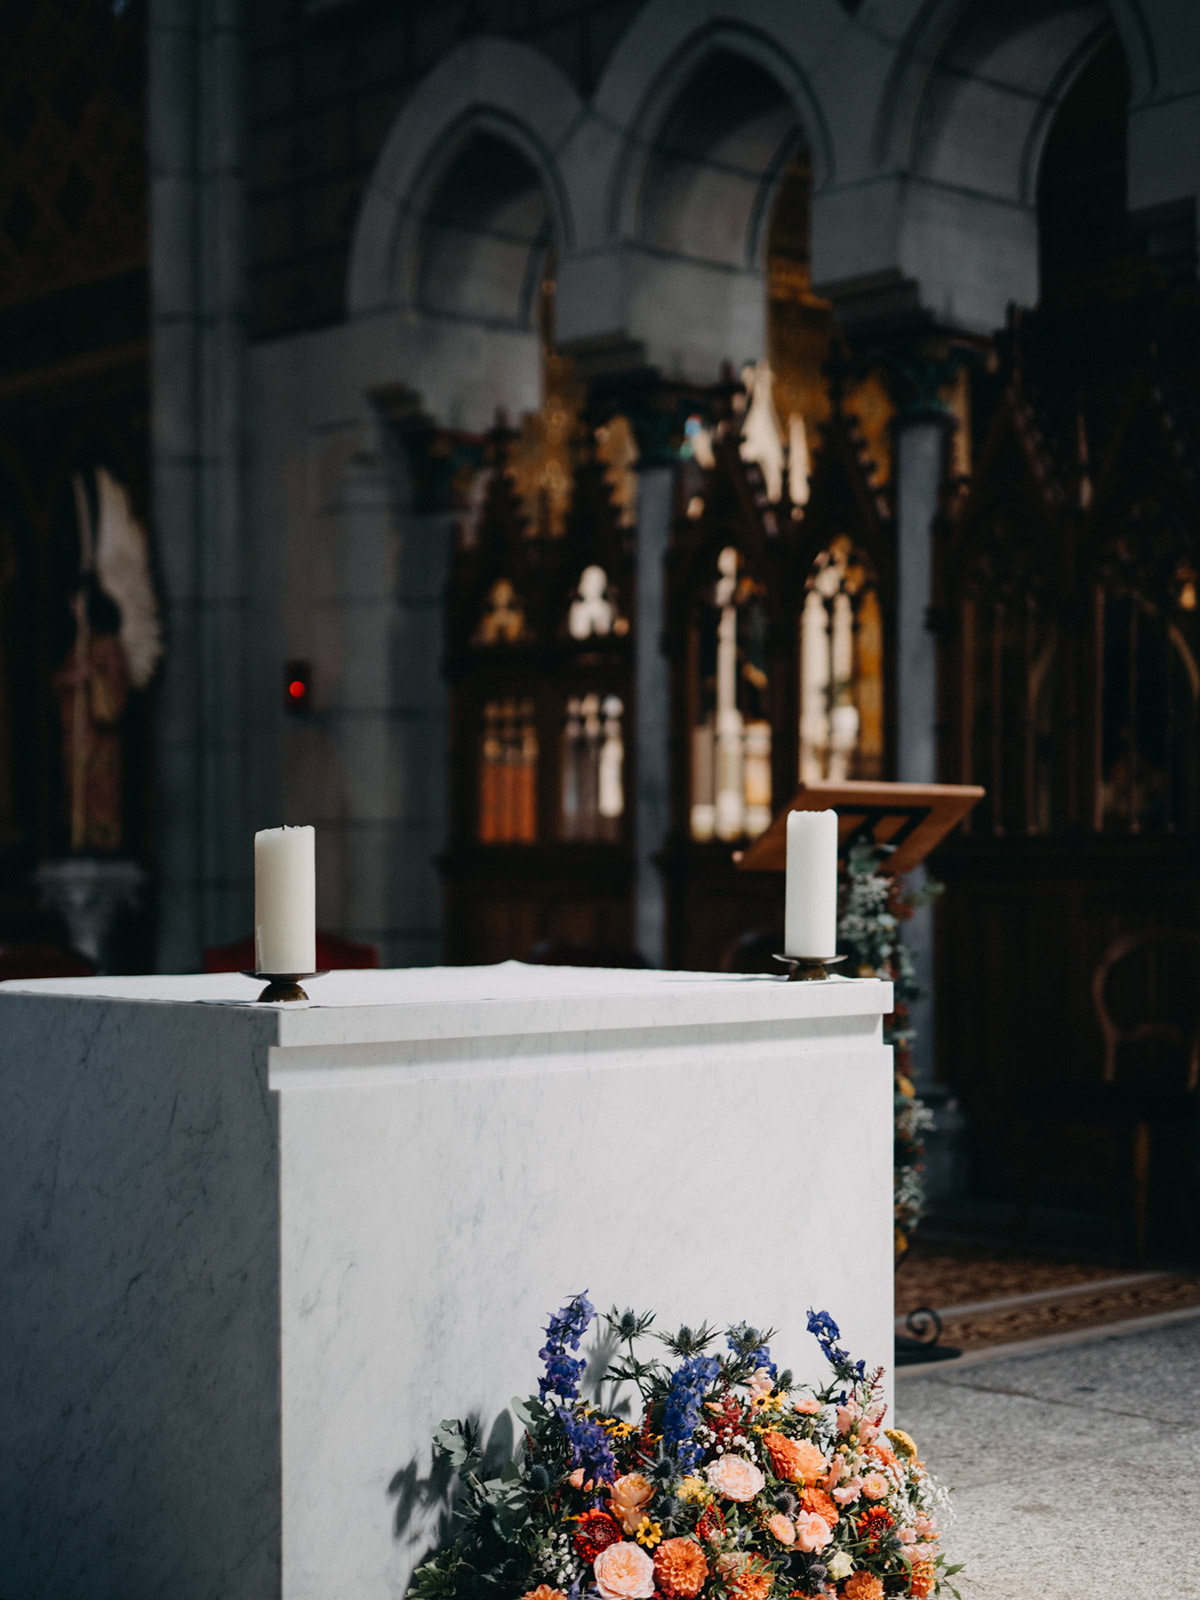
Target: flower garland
[(873, 906), (727, 1482)]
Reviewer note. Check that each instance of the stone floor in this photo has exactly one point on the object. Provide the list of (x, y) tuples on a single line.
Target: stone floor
[(1077, 1469)]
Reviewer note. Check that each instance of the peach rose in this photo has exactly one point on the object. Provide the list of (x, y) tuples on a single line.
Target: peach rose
[(624, 1572), (782, 1527), (627, 1500), (794, 1459), (735, 1477), (850, 1490), (807, 1406), (875, 1486), (812, 1531), (681, 1568), (862, 1585)]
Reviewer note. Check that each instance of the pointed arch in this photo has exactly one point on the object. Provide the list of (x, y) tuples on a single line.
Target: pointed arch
[(486, 88)]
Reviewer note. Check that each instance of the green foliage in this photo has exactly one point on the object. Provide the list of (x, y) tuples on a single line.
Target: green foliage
[(873, 908)]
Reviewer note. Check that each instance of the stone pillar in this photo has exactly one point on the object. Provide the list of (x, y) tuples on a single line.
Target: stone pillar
[(652, 695), (388, 721), (920, 452), (199, 444)]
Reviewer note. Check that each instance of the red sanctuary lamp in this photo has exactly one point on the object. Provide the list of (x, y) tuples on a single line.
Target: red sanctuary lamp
[(297, 687)]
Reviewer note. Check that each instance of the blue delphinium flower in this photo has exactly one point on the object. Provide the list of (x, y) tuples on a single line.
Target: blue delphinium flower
[(682, 1410), (589, 1446), (743, 1335), (826, 1332), (566, 1328)]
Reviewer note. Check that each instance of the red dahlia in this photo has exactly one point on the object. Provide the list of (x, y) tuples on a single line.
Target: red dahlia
[(873, 1524), (596, 1531)]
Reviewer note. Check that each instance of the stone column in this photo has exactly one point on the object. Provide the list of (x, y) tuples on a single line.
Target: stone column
[(652, 696), (920, 434), (199, 444), (389, 717)]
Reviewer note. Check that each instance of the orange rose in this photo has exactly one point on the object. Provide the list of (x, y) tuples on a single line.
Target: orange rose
[(624, 1572), (681, 1568), (544, 1592), (794, 1459), (627, 1500), (862, 1585)]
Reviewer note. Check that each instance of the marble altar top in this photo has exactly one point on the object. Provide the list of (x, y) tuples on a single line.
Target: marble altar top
[(509, 997)]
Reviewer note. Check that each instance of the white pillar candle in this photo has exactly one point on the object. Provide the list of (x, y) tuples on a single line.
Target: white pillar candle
[(810, 901), (285, 900)]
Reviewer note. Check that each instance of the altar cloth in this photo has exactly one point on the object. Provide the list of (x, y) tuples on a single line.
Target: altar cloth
[(252, 1255)]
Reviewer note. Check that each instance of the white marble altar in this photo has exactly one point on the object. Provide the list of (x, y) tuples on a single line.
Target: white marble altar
[(251, 1256)]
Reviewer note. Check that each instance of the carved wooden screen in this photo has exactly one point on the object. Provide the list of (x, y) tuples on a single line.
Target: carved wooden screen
[(1143, 546), (1070, 644), (780, 593), (540, 617), (1010, 670)]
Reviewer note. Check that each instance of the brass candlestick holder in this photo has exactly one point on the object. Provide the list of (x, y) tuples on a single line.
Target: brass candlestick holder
[(808, 969), (283, 985)]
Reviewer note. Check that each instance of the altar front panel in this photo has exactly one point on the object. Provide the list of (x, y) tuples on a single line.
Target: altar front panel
[(440, 1197)]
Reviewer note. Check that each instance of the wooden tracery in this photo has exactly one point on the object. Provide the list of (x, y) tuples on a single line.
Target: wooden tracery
[(1070, 663)]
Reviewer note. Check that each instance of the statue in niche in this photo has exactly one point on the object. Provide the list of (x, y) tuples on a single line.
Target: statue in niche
[(92, 686), (503, 618), (592, 613), (116, 645)]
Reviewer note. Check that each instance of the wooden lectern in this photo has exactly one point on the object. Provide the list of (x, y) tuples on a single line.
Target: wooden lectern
[(912, 817)]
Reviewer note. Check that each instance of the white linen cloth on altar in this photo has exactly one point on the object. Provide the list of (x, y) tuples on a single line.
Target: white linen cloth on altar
[(253, 1255)]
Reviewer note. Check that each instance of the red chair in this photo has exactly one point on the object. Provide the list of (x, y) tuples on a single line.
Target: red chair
[(334, 954)]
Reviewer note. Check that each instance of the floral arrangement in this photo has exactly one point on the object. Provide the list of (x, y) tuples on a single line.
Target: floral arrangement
[(873, 907), (724, 1481)]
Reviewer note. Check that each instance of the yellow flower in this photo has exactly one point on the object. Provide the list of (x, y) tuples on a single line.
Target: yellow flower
[(649, 1533), (902, 1443), (693, 1487), (905, 1086), (619, 1430)]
